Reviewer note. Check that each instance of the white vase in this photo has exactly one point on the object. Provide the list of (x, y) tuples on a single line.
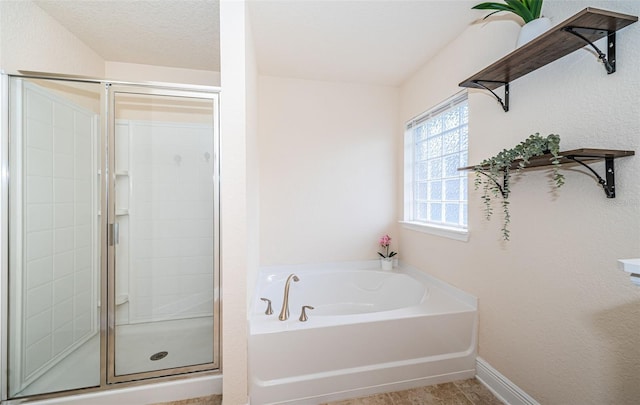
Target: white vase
[(386, 263), (532, 29)]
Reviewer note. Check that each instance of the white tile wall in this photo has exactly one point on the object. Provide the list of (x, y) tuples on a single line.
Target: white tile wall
[(37, 353), (39, 326), (63, 289), (39, 271), (39, 217), (39, 300), (38, 133), (171, 218), (39, 245), (62, 337), (59, 293), (39, 190)]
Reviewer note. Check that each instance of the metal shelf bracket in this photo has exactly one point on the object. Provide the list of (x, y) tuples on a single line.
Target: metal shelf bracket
[(609, 60), (609, 183), (502, 187), (505, 104)]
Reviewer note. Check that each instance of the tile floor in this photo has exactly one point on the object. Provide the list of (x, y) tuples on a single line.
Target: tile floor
[(210, 400), (464, 392)]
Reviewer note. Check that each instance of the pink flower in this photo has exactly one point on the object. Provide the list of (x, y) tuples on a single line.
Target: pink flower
[(385, 241)]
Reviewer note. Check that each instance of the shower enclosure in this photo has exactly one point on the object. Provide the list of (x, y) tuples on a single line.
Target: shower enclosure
[(110, 233)]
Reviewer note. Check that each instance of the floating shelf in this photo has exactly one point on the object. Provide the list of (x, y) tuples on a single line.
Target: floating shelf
[(582, 157), (631, 266), (582, 29)]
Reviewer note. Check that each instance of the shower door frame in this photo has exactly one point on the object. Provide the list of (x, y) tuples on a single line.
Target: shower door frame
[(107, 292), (111, 226), (4, 228)]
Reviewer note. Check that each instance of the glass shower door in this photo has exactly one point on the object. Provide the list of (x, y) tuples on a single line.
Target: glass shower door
[(163, 239), (54, 236)]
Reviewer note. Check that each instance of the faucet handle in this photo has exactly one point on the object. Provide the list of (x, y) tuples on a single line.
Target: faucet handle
[(269, 310), (303, 315)]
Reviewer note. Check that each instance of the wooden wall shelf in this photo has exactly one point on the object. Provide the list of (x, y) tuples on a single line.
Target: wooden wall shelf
[(578, 156), (584, 28), (569, 157)]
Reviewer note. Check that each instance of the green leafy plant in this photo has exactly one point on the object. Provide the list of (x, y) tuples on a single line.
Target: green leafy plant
[(493, 174), (529, 10)]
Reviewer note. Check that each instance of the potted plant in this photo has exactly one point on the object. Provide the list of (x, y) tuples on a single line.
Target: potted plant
[(493, 174), (528, 10), (386, 258)]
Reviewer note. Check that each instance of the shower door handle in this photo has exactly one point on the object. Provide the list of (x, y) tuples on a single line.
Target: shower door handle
[(114, 234)]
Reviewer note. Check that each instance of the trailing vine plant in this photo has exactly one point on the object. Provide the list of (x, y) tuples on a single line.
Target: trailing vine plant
[(493, 174)]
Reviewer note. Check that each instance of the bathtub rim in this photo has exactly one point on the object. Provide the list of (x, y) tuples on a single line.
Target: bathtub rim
[(259, 325), (320, 287), (368, 265)]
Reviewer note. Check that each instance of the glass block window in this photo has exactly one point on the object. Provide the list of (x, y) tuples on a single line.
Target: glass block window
[(436, 145)]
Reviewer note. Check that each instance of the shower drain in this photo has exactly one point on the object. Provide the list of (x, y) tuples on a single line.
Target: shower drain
[(158, 356)]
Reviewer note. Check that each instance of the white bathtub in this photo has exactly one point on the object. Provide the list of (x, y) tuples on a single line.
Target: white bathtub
[(370, 332)]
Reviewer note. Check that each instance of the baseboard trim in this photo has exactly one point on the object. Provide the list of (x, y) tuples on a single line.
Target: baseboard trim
[(501, 386)]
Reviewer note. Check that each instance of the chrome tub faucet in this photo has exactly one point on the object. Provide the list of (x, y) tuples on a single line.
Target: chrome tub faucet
[(284, 314)]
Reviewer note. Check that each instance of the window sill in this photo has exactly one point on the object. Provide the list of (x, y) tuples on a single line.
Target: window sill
[(446, 232)]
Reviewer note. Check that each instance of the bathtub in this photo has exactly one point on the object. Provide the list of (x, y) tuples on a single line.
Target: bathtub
[(370, 331)]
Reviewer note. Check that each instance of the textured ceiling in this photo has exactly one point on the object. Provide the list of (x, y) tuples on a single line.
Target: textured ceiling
[(175, 33), (365, 41)]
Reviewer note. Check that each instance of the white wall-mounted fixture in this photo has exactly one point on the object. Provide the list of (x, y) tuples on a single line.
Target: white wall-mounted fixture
[(631, 266)]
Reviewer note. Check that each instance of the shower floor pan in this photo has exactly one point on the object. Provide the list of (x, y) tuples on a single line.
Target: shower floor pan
[(186, 341)]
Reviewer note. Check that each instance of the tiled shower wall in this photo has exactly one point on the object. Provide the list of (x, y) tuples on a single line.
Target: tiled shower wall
[(58, 249), (170, 218)]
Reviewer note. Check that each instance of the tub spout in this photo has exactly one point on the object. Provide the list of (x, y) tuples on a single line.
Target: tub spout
[(284, 314)]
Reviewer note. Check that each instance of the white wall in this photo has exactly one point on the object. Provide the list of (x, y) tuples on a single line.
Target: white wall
[(253, 160), (557, 316), (327, 170), (31, 40), (237, 126)]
